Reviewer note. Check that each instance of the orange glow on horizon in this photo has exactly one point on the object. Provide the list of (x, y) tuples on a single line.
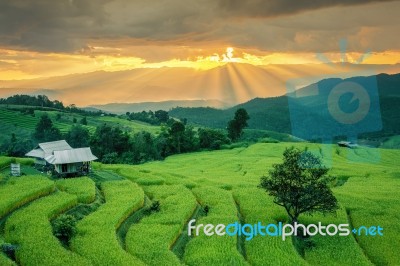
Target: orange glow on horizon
[(18, 65)]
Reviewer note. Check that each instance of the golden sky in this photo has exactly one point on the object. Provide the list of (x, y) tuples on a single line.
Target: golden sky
[(19, 65), (89, 52)]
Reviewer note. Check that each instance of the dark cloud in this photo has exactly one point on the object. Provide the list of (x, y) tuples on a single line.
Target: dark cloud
[(262, 8), (72, 25), (47, 25)]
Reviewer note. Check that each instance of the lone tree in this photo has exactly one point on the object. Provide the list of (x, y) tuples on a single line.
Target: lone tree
[(78, 136), (176, 133), (162, 116), (236, 125), (300, 184), (45, 130)]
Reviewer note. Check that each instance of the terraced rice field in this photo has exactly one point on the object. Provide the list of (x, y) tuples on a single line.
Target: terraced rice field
[(23, 125), (114, 227)]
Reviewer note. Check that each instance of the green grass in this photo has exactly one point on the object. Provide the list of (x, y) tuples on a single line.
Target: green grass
[(4, 260), (134, 126), (152, 238), (226, 181), (5, 162), (96, 237), (83, 187), (20, 190), (30, 228), (144, 178), (370, 193), (215, 250), (255, 205)]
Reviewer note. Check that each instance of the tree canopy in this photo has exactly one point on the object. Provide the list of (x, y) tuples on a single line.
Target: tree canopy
[(78, 136), (237, 124), (45, 130), (300, 184)]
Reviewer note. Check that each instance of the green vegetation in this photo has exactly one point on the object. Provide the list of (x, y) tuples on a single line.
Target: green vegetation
[(20, 190), (273, 113), (224, 182), (237, 124), (153, 118), (300, 184), (45, 130), (30, 228), (96, 237), (212, 139), (18, 127), (5, 161), (159, 231), (392, 142), (40, 100), (113, 139), (255, 205), (370, 194), (215, 250), (130, 126), (5, 259), (83, 187), (64, 228), (78, 136)]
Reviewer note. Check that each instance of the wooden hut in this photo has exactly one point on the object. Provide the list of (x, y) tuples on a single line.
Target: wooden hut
[(63, 157), (71, 161)]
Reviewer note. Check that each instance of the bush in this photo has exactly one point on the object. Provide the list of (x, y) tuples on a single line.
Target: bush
[(64, 227), (206, 209), (110, 158), (154, 207), (269, 140)]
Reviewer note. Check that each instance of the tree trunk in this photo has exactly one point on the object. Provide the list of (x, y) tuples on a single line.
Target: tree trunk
[(293, 219)]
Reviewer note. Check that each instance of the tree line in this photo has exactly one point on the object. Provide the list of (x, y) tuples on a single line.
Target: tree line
[(154, 118), (42, 102)]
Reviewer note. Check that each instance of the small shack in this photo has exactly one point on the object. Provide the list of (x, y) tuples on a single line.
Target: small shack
[(71, 161), (65, 159)]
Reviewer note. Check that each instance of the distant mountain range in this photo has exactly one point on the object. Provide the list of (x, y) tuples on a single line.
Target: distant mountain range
[(121, 108), (231, 84), (274, 113)]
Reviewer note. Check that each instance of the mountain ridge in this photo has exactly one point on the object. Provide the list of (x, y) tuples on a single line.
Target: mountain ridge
[(274, 114)]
